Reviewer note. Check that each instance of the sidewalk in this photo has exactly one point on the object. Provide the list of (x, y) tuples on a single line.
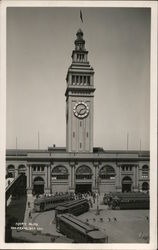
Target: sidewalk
[(30, 199)]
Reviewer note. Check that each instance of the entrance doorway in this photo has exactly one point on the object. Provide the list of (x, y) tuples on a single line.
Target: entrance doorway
[(126, 184), (38, 185), (145, 186), (38, 189), (83, 188)]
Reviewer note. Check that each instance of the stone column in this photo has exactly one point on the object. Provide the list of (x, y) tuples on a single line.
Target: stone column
[(118, 178), (29, 179), (135, 175), (96, 176), (72, 176), (16, 171), (47, 178), (138, 177), (27, 176), (31, 184)]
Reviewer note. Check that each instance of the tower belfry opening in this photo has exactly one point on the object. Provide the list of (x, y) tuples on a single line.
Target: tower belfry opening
[(79, 99)]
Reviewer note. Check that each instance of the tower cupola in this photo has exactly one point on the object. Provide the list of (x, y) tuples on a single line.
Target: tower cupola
[(79, 42), (79, 55)]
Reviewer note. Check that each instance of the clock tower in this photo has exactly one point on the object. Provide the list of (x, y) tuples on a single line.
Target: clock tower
[(79, 100)]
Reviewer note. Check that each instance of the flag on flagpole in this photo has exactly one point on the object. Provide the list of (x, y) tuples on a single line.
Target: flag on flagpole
[(81, 17)]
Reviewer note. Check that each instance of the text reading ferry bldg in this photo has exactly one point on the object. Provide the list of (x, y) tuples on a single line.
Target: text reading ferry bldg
[(80, 167)]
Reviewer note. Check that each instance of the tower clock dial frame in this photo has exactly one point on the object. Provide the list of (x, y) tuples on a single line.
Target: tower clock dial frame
[(81, 110)]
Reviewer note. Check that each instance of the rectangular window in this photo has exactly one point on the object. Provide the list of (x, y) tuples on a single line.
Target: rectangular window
[(84, 79), (73, 79), (73, 134), (80, 124), (80, 145), (87, 134), (77, 79), (88, 80), (80, 79)]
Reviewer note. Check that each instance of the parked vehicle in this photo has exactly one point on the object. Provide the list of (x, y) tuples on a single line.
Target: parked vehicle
[(79, 231), (130, 203), (131, 200), (75, 207), (50, 202)]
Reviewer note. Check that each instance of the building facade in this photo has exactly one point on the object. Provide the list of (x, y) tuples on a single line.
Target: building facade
[(80, 167)]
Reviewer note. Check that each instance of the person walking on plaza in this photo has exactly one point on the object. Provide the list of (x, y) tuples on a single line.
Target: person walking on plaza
[(30, 215)]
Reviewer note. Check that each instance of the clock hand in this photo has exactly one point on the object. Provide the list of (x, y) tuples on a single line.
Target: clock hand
[(81, 111)]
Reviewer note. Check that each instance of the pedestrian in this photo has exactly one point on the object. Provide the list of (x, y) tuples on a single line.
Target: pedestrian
[(93, 199), (115, 219), (30, 215), (90, 202)]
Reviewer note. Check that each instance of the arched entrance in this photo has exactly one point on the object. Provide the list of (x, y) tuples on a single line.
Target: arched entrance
[(38, 185), (126, 184), (83, 179), (145, 186)]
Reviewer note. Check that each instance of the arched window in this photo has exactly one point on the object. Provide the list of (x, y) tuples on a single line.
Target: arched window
[(10, 171), (83, 172), (145, 186), (21, 169), (38, 180), (127, 180), (107, 172), (11, 168), (145, 171), (60, 173)]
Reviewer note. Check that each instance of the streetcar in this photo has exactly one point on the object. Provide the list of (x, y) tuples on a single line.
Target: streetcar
[(108, 198), (130, 203), (44, 203), (79, 231), (75, 207)]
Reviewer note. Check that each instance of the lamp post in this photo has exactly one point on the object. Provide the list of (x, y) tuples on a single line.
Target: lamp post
[(98, 182)]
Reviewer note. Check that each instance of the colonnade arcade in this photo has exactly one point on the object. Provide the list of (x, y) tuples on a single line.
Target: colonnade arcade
[(72, 176)]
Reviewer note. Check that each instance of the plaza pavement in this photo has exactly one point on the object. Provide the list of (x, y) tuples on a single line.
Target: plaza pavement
[(121, 226)]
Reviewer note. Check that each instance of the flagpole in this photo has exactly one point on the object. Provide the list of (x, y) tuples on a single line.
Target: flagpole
[(16, 145), (140, 145), (38, 140), (127, 140)]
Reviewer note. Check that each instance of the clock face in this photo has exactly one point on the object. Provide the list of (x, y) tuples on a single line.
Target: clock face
[(81, 110)]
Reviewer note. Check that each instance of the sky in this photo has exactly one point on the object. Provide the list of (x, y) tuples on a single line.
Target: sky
[(39, 47)]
